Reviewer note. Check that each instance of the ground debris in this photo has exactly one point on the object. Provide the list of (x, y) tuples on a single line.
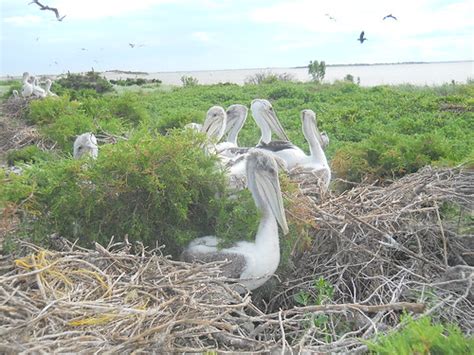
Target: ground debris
[(384, 250)]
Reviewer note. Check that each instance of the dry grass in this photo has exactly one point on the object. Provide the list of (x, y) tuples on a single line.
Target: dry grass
[(384, 249)]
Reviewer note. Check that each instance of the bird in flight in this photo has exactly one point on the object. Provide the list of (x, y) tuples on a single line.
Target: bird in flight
[(45, 7), (361, 38), (330, 17), (390, 16), (133, 45)]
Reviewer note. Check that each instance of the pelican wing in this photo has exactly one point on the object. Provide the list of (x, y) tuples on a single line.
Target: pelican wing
[(233, 269), (276, 146), (269, 189), (213, 127)]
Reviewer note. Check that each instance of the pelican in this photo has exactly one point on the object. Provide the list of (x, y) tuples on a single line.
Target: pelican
[(48, 87), (236, 116), (251, 262), (266, 119), (38, 91), (85, 144), (215, 123), (15, 94), (268, 122), (27, 88), (316, 162)]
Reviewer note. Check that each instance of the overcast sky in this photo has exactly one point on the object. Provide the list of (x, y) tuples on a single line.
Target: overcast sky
[(173, 35)]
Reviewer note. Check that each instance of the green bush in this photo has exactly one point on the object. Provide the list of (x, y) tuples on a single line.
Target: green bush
[(423, 337), (49, 109), (88, 81), (156, 189), (28, 154), (136, 81)]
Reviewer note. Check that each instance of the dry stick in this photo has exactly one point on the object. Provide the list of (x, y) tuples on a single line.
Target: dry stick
[(443, 237), (397, 245)]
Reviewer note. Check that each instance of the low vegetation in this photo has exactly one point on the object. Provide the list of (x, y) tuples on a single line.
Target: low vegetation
[(153, 184)]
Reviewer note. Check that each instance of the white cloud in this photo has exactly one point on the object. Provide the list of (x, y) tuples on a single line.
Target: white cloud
[(97, 9), (202, 36), (24, 21)]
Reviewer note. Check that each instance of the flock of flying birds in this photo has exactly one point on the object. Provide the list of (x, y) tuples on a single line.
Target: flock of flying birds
[(361, 38), (255, 168)]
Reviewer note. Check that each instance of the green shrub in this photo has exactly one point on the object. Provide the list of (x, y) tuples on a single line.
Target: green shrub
[(423, 337), (156, 189), (49, 109), (136, 81), (28, 154), (88, 81), (128, 108)]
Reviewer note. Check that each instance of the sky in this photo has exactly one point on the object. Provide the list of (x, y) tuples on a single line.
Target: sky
[(185, 35)]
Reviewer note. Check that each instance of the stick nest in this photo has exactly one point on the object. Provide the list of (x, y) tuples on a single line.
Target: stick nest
[(384, 250)]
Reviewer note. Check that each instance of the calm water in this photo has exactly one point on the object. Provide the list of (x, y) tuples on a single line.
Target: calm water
[(417, 74)]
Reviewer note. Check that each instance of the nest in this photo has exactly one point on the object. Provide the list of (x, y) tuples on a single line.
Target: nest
[(384, 250), (15, 133)]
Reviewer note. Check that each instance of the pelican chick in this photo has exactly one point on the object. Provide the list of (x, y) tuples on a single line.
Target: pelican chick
[(48, 87), (215, 123), (236, 116), (266, 119), (253, 263), (38, 91), (316, 163), (27, 88), (85, 144)]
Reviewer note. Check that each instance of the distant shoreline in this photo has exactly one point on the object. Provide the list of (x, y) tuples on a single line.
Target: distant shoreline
[(140, 72)]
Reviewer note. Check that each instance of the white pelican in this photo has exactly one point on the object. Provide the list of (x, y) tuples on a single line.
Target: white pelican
[(48, 87), (266, 119), (251, 262), (316, 162), (27, 88), (215, 123), (236, 116), (85, 144), (38, 91)]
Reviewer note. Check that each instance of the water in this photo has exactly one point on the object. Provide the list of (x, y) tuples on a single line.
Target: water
[(370, 75)]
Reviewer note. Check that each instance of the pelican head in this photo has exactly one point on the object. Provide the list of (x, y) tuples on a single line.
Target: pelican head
[(26, 76), (215, 123), (267, 120), (262, 177), (309, 124), (236, 116), (85, 144)]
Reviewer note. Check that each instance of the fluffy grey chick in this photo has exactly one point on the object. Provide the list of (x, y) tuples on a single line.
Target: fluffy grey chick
[(85, 144)]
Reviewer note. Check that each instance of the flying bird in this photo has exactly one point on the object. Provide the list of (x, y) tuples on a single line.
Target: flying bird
[(361, 38), (330, 17), (390, 16), (45, 7), (133, 45)]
